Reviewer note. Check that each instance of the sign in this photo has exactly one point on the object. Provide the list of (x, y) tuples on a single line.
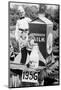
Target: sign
[(30, 76), (42, 29), (39, 37)]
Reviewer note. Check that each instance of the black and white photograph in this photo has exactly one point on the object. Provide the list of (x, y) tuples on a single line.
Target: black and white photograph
[(33, 44)]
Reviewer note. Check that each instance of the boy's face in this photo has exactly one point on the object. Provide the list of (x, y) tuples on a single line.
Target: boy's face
[(21, 14)]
